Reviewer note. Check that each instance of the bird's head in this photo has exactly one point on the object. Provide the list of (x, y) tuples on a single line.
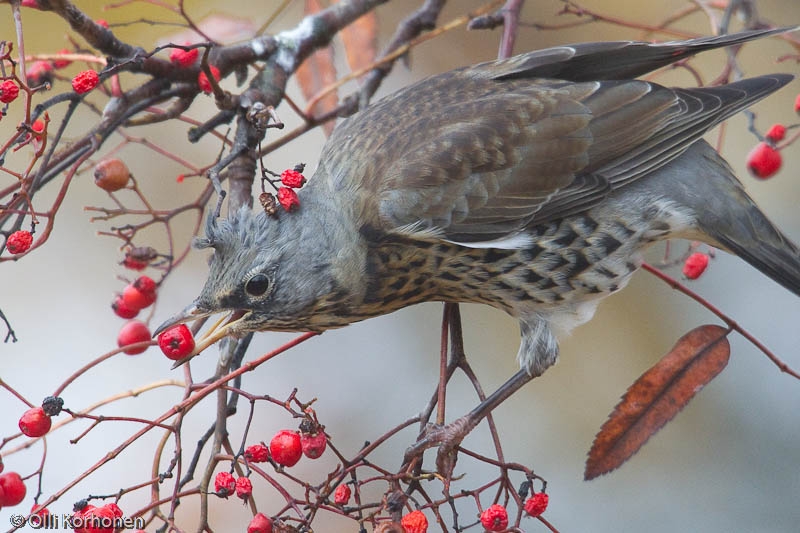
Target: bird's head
[(265, 273)]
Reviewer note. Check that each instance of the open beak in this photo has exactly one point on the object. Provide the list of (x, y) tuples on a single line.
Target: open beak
[(219, 330)]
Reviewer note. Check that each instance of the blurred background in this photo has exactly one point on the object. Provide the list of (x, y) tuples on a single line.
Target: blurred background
[(729, 462)]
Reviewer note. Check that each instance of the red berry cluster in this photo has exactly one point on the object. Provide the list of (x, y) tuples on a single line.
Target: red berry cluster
[(764, 160), (135, 297), (91, 519), (291, 179)]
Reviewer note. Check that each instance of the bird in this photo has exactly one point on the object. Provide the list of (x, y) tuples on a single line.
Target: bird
[(532, 184)]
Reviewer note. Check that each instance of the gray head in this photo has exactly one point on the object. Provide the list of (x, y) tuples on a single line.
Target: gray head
[(270, 273)]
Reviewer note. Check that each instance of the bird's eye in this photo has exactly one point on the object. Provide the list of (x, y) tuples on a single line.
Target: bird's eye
[(257, 285)]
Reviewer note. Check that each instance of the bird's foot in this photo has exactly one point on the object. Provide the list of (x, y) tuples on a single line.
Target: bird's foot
[(448, 438)]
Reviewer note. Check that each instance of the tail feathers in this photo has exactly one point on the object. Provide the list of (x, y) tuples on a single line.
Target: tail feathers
[(777, 257), (733, 221)]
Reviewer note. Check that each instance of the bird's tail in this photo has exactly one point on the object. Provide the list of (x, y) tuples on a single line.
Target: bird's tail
[(729, 219)]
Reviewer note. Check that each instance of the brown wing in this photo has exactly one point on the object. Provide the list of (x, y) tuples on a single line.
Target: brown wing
[(473, 159)]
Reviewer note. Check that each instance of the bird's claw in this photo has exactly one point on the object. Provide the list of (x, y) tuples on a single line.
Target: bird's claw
[(448, 438)]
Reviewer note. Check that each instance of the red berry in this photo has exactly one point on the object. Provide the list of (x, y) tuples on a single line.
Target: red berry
[(184, 58), (202, 79), (30, 3), (131, 333), (34, 422), (776, 133), (495, 518), (62, 63), (85, 81), (40, 72), (342, 494), (695, 265), (12, 489), (19, 242), (313, 445), (123, 310), (292, 178), (260, 524), (102, 22), (797, 104), (288, 198), (257, 453), (145, 284), (37, 126), (114, 508), (415, 522), (134, 264), (536, 504), (136, 298), (177, 342), (224, 484), (244, 488), (8, 91), (763, 161), (111, 174), (98, 519), (285, 447), (41, 512)]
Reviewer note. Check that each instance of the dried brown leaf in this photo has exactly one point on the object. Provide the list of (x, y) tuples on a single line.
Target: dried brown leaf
[(657, 396), (360, 41), (316, 73)]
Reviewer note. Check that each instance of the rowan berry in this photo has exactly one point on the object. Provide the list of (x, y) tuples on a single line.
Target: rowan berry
[(62, 63), (34, 422), (184, 58), (85, 81), (292, 178), (123, 310), (257, 453), (342, 494), (131, 333), (177, 342), (260, 524), (244, 488), (763, 161), (204, 83), (695, 265), (495, 518), (19, 242), (313, 445), (8, 91), (224, 484), (776, 133), (288, 198), (536, 504), (12, 489), (415, 522), (285, 447), (111, 174)]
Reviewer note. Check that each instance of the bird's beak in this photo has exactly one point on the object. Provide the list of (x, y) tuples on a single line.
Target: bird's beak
[(192, 312), (219, 330)]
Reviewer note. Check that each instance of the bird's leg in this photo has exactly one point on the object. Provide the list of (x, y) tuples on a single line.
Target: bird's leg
[(448, 437)]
